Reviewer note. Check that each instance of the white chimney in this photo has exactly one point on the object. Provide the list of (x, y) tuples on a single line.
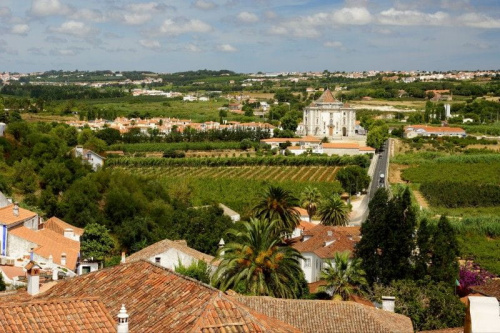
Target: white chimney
[(55, 277), (51, 259), (33, 272), (79, 151), (122, 326), (221, 245), (63, 259), (16, 209), (69, 233), (388, 303), (124, 259)]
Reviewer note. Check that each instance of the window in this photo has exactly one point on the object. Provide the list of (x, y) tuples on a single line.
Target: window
[(85, 270), (307, 262), (157, 260)]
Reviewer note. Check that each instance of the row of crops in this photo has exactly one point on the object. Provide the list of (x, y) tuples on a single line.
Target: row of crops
[(139, 162), (270, 173), (160, 146)]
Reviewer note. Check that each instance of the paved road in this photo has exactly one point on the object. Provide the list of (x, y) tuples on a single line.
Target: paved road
[(381, 168)]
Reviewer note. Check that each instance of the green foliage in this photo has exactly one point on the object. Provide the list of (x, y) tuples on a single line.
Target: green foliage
[(198, 270), (277, 204), (461, 194), (444, 265), (482, 249), (96, 242), (333, 211), (344, 276), (353, 178), (310, 199), (25, 178), (3, 287), (429, 305), (377, 135), (480, 172), (157, 146), (258, 263)]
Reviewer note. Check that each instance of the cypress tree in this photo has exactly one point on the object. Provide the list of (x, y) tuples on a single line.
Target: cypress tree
[(424, 245), (444, 265)]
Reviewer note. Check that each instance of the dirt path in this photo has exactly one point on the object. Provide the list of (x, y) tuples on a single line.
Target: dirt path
[(395, 178)]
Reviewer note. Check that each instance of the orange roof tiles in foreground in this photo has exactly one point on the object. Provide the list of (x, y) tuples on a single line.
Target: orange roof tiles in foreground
[(12, 271), (61, 315), (158, 300), (50, 243), (58, 225), (315, 316), (7, 216), (339, 145)]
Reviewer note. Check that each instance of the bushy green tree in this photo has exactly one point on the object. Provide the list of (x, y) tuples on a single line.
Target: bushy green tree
[(198, 270), (444, 264), (96, 242), (309, 200), (25, 177), (278, 204), (333, 211), (353, 178)]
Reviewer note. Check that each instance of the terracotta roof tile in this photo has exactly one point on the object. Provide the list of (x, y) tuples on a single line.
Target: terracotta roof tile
[(158, 300), (7, 216), (50, 243), (338, 145), (326, 97), (166, 244), (325, 241), (491, 288), (58, 225), (61, 315), (12, 271), (434, 129), (313, 316)]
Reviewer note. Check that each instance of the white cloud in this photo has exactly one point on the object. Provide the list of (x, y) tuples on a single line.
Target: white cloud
[(88, 15), (182, 26), (74, 28), (334, 45), (49, 8), (247, 17), (204, 4), (226, 48), (20, 29), (150, 44), (479, 21), (352, 16), (412, 17), (270, 15), (63, 52), (192, 48), (5, 11)]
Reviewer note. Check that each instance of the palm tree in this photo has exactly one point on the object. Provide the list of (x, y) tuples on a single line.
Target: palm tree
[(333, 211), (344, 277), (258, 263), (309, 200), (278, 204)]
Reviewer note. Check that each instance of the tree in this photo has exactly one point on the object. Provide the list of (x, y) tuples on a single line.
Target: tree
[(109, 135), (3, 287), (309, 200), (258, 263), (25, 177), (353, 178), (278, 204), (377, 136), (424, 246), (333, 211), (344, 277), (96, 242), (198, 270), (444, 265)]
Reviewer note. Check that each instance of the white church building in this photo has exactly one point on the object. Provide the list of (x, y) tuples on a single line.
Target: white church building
[(328, 117)]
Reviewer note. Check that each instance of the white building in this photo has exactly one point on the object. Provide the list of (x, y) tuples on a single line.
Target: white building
[(319, 244), (327, 117), (94, 159), (412, 131), (168, 254)]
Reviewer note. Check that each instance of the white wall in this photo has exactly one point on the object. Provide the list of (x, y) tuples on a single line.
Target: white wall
[(311, 272), (170, 259)]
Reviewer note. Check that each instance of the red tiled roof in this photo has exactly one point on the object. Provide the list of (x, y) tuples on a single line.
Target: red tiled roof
[(61, 315), (434, 128), (158, 300), (166, 244), (342, 238), (12, 271), (7, 216), (314, 316), (58, 225), (491, 288), (338, 145), (50, 243), (366, 148), (304, 139), (326, 97)]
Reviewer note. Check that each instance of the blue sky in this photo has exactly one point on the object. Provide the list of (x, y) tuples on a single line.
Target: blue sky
[(249, 35)]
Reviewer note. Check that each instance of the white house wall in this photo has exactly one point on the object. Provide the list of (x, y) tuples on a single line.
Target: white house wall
[(170, 259)]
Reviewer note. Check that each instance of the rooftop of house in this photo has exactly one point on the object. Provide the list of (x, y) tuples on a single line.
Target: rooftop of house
[(61, 315), (50, 243), (228, 211), (340, 145), (12, 271), (326, 97), (433, 128), (157, 298), (314, 316), (310, 139), (491, 288), (165, 245), (8, 217), (58, 225), (325, 241)]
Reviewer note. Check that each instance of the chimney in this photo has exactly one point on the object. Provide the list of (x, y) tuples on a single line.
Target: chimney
[(79, 151), (122, 326), (55, 277), (124, 260), (51, 259), (63, 259), (16, 209), (388, 303), (69, 233), (33, 272), (221, 245)]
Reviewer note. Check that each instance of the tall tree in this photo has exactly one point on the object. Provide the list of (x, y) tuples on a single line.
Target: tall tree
[(334, 211), (257, 262), (344, 277), (309, 200), (444, 265), (353, 178), (424, 249), (278, 204), (96, 242)]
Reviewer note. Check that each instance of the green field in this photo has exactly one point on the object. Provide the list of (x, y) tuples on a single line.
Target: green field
[(160, 147), (267, 173), (455, 172)]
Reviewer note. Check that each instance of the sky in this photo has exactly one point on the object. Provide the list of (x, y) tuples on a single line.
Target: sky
[(249, 35)]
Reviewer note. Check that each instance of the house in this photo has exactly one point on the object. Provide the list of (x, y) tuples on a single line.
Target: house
[(63, 228), (319, 244), (315, 316), (412, 131), (156, 300), (306, 142), (346, 148), (490, 288), (11, 217), (168, 253), (234, 216), (94, 159)]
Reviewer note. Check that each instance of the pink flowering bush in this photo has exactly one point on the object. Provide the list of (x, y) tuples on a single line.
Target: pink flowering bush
[(471, 275)]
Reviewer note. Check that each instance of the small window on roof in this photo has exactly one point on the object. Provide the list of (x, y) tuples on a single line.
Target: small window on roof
[(157, 260)]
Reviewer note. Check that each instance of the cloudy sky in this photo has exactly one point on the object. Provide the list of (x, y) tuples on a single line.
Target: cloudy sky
[(249, 35)]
